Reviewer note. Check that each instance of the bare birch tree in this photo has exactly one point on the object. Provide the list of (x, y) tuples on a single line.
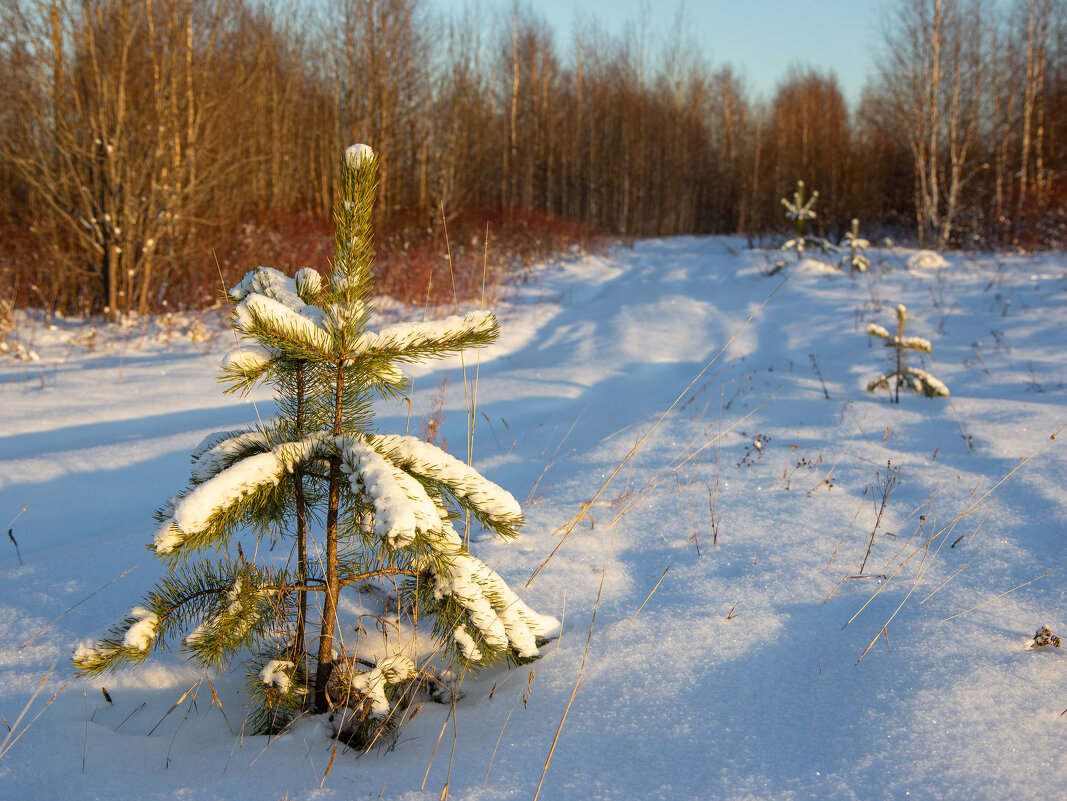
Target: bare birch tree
[(932, 75)]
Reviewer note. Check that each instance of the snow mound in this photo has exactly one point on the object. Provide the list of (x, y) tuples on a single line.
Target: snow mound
[(815, 267), (926, 260)]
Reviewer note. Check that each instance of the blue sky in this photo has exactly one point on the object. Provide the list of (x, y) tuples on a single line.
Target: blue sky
[(760, 38)]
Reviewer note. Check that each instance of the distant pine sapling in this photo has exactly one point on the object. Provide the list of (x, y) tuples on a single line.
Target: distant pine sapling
[(366, 514), (801, 212), (854, 245), (902, 374)]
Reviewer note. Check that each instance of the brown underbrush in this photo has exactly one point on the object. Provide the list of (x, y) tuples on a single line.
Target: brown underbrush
[(420, 259)]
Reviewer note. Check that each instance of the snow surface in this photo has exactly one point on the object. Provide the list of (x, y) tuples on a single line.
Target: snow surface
[(725, 655)]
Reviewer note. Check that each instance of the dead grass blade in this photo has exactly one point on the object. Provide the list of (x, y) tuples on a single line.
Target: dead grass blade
[(14, 733), (52, 622), (642, 606), (998, 597), (655, 482), (329, 767), (177, 704), (501, 736)]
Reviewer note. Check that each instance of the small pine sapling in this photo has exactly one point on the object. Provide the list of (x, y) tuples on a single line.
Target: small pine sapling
[(902, 374), (801, 212), (366, 515), (854, 245)]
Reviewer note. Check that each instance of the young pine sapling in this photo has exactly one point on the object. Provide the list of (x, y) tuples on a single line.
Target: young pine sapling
[(800, 212), (854, 245), (363, 514), (903, 374)]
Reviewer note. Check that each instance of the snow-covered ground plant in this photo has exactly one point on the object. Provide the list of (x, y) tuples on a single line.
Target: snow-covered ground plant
[(903, 374), (800, 212), (854, 245), (366, 519)]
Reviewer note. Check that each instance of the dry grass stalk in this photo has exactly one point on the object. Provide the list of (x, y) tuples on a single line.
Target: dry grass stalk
[(889, 482), (633, 499), (52, 622), (14, 733), (642, 606), (998, 597)]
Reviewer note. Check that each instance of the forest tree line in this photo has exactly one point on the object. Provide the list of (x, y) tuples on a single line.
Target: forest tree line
[(141, 139)]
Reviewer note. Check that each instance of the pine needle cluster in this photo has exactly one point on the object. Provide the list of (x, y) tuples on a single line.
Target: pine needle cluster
[(357, 512)]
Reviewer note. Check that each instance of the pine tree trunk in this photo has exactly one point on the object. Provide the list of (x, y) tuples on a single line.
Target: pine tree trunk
[(900, 359), (301, 527), (333, 583), (333, 588)]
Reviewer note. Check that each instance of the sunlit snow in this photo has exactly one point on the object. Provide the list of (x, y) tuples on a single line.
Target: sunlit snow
[(700, 495)]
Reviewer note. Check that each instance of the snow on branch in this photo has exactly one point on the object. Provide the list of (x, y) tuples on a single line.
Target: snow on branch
[(401, 506), (370, 475), (458, 478), (247, 363), (798, 209), (193, 513), (267, 319), (927, 384), (211, 460), (372, 684), (411, 341), (276, 285), (358, 155), (876, 330), (277, 673), (126, 642), (140, 635), (499, 616)]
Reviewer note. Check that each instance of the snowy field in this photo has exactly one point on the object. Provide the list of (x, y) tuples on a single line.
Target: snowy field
[(737, 651)]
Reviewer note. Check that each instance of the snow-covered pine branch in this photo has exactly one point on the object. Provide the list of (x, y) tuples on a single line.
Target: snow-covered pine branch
[(246, 364), (233, 610), (914, 343), (401, 506), (499, 619), (234, 615), (274, 324), (927, 384), (218, 451), (414, 342), (493, 506), (799, 209), (127, 643), (373, 686), (876, 330)]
